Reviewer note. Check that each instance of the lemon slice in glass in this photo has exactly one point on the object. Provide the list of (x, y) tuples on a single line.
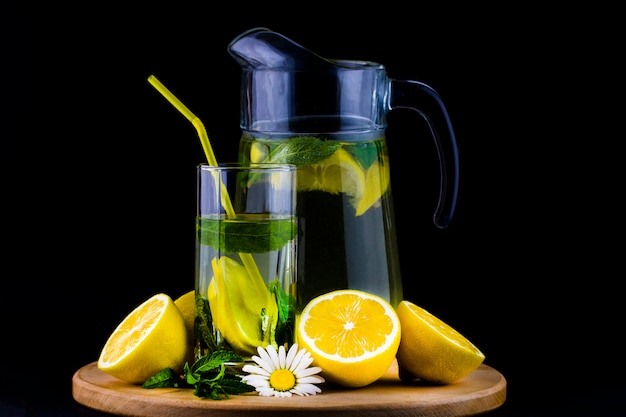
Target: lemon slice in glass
[(240, 305)]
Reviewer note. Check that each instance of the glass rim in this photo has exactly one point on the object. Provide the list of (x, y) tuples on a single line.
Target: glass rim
[(245, 166), (340, 66)]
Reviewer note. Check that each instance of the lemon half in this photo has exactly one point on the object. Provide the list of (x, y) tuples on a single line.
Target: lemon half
[(352, 335), (151, 337), (432, 350)]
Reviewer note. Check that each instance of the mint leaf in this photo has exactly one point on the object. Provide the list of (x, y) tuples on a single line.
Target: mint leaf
[(230, 384), (286, 313), (302, 150), (284, 301), (203, 325), (214, 360), (208, 375), (247, 237), (165, 378)]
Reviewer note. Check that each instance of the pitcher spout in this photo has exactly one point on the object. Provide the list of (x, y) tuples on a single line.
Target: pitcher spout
[(262, 48)]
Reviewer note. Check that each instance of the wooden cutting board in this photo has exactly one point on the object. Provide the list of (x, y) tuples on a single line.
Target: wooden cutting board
[(481, 391)]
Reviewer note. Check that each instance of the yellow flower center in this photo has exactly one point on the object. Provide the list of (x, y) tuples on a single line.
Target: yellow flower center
[(282, 380)]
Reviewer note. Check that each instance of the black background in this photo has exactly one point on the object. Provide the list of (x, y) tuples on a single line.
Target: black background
[(99, 178)]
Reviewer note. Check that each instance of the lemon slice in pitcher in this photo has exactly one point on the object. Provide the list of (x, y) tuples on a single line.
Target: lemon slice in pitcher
[(339, 173), (376, 184)]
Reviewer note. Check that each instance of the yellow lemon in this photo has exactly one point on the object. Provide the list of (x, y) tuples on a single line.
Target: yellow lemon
[(151, 337), (186, 303), (432, 350), (352, 335), (376, 183), (259, 152), (240, 305), (339, 173)]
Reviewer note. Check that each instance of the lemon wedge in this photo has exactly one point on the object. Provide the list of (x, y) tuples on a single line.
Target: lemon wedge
[(376, 184)]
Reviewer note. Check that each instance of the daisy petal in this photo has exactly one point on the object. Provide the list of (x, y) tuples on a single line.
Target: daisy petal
[(271, 351), (256, 380), (266, 391), (267, 362), (296, 361), (255, 370), (311, 380), (305, 361), (293, 350), (306, 389), (307, 372), (281, 357)]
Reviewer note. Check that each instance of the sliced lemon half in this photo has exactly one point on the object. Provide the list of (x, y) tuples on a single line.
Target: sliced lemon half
[(432, 350), (152, 337), (352, 335)]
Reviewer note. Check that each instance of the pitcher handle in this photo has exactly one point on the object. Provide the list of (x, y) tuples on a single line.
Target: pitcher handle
[(426, 101)]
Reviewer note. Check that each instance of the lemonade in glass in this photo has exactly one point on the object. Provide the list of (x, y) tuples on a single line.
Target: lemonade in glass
[(245, 257)]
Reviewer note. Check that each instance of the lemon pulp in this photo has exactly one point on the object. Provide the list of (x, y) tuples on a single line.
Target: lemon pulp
[(352, 335)]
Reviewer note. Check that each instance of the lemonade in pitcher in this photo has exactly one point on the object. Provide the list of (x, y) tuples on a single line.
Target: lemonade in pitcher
[(344, 212), (328, 117)]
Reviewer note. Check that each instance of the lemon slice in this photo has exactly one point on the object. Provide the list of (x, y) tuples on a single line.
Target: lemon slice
[(352, 335), (339, 173), (152, 337), (239, 306), (259, 152), (376, 184), (431, 350)]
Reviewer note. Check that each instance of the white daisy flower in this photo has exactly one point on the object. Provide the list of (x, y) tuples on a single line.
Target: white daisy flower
[(281, 374)]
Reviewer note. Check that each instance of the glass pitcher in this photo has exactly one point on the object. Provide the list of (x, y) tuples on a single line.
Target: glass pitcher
[(328, 117)]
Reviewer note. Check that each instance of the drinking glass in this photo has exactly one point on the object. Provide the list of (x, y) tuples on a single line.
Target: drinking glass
[(246, 243)]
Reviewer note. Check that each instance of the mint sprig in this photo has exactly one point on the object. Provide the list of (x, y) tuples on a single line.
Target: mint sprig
[(303, 150), (209, 376), (247, 237)]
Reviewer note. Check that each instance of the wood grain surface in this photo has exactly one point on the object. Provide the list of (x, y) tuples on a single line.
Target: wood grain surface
[(483, 390)]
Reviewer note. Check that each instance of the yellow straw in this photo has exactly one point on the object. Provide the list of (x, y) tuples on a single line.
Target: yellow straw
[(197, 123), (204, 137), (208, 150)]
